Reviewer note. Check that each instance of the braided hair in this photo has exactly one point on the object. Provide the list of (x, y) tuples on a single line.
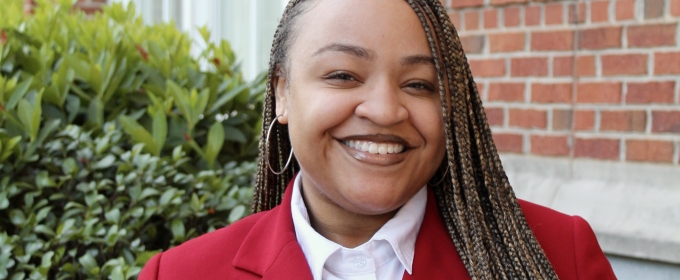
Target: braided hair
[(475, 200)]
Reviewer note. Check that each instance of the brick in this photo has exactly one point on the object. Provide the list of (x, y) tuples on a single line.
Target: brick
[(577, 12), (505, 2), (551, 93), (599, 11), (625, 9), (651, 92), (666, 121), (624, 64), (606, 149), (466, 3), (563, 66), (552, 40), (494, 116), (528, 118), (623, 121), (653, 8), (455, 19), (585, 65), (600, 38), (554, 14), (667, 63), (584, 120), (531, 66), (675, 8), (532, 15), (561, 119), (649, 150), (490, 18), (508, 143), (599, 92), (549, 145), (651, 35), (471, 20), (473, 43), (506, 42), (511, 15), (487, 68), (506, 92)]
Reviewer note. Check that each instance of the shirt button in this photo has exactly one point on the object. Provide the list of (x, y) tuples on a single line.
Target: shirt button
[(360, 262)]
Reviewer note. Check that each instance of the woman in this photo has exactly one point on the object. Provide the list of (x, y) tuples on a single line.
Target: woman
[(394, 172)]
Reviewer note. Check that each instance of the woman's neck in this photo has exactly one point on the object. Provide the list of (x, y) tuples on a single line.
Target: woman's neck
[(339, 225)]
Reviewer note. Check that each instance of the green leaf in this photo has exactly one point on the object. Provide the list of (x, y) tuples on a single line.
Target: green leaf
[(17, 217), (88, 262), (72, 107), (234, 134), (160, 130), (227, 97), (106, 162), (95, 112), (113, 215), (139, 134), (47, 259), (205, 33), (236, 213), (69, 166), (43, 180), (26, 116), (215, 142), (195, 203), (19, 93), (177, 228)]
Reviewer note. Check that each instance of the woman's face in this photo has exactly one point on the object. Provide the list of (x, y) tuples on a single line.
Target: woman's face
[(361, 100)]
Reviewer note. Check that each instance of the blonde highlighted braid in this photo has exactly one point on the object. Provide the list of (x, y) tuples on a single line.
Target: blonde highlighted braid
[(475, 200)]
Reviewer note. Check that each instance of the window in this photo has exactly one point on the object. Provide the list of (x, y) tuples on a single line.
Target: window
[(249, 25)]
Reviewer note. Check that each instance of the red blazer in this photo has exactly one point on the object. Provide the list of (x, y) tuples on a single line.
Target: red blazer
[(264, 246)]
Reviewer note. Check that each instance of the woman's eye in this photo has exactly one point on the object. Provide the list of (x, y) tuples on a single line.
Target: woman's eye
[(341, 76), (421, 86)]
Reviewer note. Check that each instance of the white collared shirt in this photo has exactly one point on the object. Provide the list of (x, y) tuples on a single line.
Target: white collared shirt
[(385, 256)]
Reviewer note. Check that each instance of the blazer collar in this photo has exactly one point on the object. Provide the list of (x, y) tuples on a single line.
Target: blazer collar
[(271, 249)]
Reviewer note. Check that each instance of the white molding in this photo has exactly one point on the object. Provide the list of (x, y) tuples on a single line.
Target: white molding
[(633, 208)]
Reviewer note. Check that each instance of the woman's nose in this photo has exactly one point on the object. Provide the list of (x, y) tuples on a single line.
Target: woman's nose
[(382, 105)]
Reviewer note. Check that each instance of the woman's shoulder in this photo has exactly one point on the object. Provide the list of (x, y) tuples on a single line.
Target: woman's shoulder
[(204, 255), (568, 241)]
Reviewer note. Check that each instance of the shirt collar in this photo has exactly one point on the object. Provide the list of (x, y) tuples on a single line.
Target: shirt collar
[(400, 231)]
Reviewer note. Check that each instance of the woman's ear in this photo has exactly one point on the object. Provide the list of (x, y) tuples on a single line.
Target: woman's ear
[(280, 84)]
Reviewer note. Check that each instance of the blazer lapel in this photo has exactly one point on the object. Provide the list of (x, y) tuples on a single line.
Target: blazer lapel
[(435, 255), (271, 249)]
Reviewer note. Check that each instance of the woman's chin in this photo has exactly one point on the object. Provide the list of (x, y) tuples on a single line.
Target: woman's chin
[(374, 202)]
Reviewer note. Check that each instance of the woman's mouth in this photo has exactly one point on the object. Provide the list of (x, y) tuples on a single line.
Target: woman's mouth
[(374, 148)]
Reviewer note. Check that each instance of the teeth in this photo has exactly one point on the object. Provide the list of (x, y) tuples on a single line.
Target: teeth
[(375, 148)]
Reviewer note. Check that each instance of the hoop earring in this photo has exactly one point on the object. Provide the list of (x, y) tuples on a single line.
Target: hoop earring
[(269, 131), (442, 179)]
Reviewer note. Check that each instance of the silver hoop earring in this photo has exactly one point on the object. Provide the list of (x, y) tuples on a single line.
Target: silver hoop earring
[(269, 131), (442, 179)]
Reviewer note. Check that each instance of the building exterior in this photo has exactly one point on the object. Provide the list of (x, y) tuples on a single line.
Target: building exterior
[(583, 97), (583, 101)]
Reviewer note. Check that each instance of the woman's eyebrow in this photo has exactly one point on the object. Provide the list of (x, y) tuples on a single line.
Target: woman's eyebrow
[(417, 59), (348, 49)]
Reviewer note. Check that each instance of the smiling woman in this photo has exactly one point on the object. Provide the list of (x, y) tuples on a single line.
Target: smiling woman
[(393, 174)]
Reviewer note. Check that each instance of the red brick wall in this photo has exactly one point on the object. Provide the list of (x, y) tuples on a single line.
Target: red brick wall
[(595, 79)]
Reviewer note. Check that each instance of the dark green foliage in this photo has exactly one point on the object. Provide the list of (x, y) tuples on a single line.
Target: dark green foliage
[(115, 141)]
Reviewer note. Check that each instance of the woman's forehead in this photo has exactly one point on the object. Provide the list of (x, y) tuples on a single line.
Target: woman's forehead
[(377, 25)]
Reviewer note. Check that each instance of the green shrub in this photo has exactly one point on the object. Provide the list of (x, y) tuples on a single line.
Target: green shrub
[(115, 141)]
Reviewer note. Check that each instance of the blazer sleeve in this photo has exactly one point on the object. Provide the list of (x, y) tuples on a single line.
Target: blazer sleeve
[(591, 263), (150, 270)]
